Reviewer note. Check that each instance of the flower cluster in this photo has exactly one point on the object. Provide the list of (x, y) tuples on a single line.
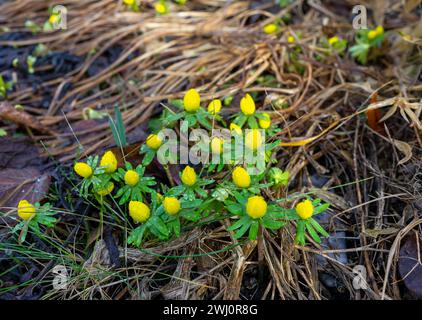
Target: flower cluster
[(161, 211)]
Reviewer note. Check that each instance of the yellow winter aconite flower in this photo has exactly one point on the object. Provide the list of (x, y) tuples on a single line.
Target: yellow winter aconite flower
[(154, 141), (270, 28), (189, 176), (241, 177), (214, 106), (290, 39), (107, 190), (139, 211), (26, 210), (160, 8), (131, 178), (129, 2), (256, 207), (372, 34), (83, 169), (379, 30), (333, 40), (234, 127), (253, 139), (54, 18), (191, 100), (217, 145), (265, 123), (247, 105), (171, 205), (305, 209), (109, 162)]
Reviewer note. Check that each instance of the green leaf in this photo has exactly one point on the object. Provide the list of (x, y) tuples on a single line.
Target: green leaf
[(118, 128), (313, 233), (178, 103), (148, 157), (318, 227), (269, 223), (253, 231), (252, 122), (238, 223), (243, 229), (160, 225), (321, 208), (300, 233)]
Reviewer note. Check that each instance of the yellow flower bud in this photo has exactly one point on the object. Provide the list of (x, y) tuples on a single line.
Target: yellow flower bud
[(160, 8), (256, 207), (107, 190), (234, 127), (217, 145), (214, 106), (160, 197), (253, 139), (379, 30), (270, 28), (189, 176), (26, 210), (131, 178), (372, 34), (305, 209), (247, 105), (83, 169), (290, 39), (265, 123), (333, 40), (154, 141), (129, 2), (241, 177), (192, 100), (53, 18), (139, 211), (109, 162), (171, 205)]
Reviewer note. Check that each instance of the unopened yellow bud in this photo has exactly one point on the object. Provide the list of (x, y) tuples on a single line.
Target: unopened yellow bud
[(256, 207), (241, 177), (83, 170), (372, 35), (265, 122), (305, 209), (214, 106), (247, 105), (139, 211), (333, 40), (160, 8), (191, 100), (217, 145), (154, 141), (253, 139), (26, 210), (234, 127), (270, 28), (131, 178), (171, 205), (189, 176), (109, 162)]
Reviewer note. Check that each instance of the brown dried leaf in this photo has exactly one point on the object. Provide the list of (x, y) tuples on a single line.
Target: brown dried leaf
[(410, 266)]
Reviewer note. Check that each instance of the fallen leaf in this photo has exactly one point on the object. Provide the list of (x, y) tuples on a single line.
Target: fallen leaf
[(17, 184), (410, 267), (18, 153), (21, 175)]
